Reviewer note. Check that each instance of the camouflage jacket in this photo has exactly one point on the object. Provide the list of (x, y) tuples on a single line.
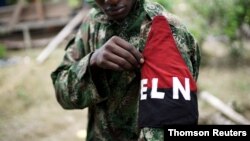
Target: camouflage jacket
[(111, 96)]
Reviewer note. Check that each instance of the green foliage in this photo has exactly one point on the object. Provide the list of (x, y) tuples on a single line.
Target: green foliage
[(224, 17), (3, 52), (75, 3)]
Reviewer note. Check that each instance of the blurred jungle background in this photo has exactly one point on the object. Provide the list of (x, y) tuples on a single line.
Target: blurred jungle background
[(28, 107)]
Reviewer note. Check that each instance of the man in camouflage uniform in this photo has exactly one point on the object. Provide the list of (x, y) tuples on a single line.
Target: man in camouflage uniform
[(101, 67)]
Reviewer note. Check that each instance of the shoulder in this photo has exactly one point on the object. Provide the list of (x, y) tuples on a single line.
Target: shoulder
[(154, 9), (88, 24), (179, 30)]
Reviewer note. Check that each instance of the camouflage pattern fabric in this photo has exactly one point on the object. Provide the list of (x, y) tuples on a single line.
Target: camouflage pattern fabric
[(152, 134), (112, 97)]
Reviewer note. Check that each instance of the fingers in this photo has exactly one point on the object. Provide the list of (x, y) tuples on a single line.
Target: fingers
[(102, 59), (111, 66), (116, 54), (105, 59), (131, 49), (125, 55), (119, 61)]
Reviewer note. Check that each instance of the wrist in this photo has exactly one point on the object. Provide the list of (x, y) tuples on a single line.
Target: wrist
[(92, 60)]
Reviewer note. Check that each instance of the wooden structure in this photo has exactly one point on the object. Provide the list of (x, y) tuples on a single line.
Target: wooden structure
[(81, 16), (24, 17)]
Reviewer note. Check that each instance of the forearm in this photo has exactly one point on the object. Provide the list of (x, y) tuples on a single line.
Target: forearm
[(74, 86)]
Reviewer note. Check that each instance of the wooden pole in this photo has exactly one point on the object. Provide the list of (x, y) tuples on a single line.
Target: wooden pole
[(16, 14), (27, 37), (39, 10), (223, 108), (61, 36)]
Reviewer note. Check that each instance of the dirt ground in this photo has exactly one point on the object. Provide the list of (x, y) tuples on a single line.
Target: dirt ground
[(29, 110)]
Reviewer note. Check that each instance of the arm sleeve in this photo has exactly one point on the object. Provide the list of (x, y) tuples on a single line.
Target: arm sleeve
[(189, 49), (73, 80), (193, 54)]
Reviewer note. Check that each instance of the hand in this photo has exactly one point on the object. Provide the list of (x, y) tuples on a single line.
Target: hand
[(117, 54)]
